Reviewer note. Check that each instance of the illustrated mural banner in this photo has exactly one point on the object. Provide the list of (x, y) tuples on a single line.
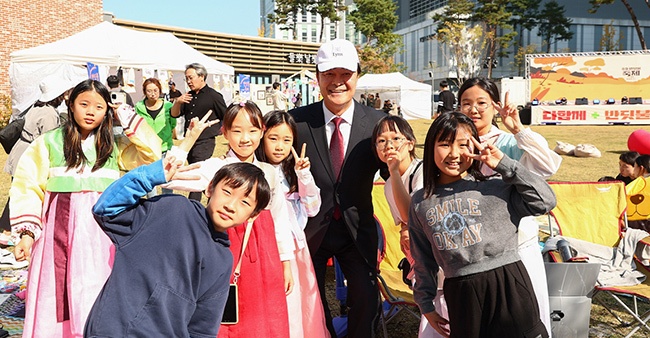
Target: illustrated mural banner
[(594, 77)]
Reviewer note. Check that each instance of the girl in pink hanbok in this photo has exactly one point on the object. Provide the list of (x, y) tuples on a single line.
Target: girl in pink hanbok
[(306, 315), (56, 183)]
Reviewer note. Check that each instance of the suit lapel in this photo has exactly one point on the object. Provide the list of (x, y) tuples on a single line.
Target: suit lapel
[(357, 133), (319, 136)]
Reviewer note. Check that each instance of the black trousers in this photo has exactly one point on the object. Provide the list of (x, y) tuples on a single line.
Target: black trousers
[(362, 294), (495, 303), (201, 151)]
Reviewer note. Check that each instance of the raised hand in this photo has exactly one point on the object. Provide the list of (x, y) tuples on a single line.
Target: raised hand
[(489, 154), (170, 166), (302, 161), (180, 173), (394, 157), (509, 115), (185, 98), (197, 126)]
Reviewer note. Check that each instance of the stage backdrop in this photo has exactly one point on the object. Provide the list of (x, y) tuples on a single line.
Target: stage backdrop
[(594, 77)]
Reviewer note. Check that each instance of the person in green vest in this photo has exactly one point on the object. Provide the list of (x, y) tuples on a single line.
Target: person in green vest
[(156, 111)]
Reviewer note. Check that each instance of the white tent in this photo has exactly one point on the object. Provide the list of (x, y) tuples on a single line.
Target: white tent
[(413, 98), (108, 46)]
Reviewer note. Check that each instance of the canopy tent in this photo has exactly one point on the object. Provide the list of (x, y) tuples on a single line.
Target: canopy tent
[(413, 98), (106, 45)]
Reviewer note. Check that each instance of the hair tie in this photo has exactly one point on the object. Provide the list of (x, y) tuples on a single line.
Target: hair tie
[(242, 103)]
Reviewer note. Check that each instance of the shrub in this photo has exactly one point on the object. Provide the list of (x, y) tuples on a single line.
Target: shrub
[(5, 109)]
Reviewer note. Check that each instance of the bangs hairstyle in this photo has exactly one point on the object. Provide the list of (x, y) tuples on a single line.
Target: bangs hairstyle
[(253, 111), (104, 141), (444, 128), (276, 118), (249, 176), (487, 85), (395, 124), (149, 81)]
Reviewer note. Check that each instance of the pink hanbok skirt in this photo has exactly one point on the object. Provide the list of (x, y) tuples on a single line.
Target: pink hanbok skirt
[(306, 315), (69, 265)]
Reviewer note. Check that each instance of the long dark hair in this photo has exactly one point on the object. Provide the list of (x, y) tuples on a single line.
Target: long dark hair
[(486, 84), (272, 119), (444, 127), (104, 141)]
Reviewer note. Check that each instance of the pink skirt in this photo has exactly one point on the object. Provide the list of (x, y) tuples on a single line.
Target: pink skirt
[(67, 269), (306, 315)]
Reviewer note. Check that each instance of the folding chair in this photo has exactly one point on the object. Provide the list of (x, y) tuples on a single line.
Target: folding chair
[(396, 294), (595, 212)]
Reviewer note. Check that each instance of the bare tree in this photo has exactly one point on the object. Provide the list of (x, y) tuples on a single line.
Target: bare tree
[(465, 45), (595, 5)]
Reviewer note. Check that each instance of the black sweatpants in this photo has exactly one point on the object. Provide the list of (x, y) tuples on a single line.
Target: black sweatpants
[(495, 303)]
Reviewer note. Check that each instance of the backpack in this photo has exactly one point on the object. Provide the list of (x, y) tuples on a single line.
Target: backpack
[(10, 134), (417, 166)]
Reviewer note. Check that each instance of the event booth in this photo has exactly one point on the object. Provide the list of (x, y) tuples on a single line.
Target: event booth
[(413, 98), (110, 47)]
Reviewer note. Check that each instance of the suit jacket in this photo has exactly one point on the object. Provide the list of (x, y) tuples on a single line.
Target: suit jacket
[(353, 191)]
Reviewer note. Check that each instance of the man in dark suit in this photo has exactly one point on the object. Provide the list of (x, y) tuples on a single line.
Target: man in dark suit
[(336, 130)]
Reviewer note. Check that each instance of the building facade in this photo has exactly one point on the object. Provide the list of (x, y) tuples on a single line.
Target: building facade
[(263, 60), (27, 24), (309, 25), (425, 60)]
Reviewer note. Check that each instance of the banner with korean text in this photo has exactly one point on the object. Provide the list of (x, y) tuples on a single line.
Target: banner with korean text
[(591, 114)]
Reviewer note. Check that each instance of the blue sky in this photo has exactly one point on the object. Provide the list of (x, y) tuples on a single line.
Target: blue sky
[(224, 16)]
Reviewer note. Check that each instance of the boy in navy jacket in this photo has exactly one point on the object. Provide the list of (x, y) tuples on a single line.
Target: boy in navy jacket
[(172, 264)]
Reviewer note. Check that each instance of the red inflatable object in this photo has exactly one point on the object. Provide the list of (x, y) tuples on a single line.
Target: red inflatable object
[(639, 141)]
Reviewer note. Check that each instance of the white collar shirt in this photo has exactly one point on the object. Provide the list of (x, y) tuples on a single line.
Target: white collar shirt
[(345, 126)]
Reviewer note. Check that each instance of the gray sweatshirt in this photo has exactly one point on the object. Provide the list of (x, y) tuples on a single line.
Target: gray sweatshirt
[(470, 226)]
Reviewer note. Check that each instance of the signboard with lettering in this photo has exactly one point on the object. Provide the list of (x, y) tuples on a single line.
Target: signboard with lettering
[(593, 115), (301, 58)]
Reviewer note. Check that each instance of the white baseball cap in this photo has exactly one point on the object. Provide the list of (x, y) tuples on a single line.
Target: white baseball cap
[(337, 53), (52, 86)]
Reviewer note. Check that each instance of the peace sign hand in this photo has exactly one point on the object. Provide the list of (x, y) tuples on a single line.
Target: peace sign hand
[(489, 154), (302, 161), (509, 115), (197, 126)]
